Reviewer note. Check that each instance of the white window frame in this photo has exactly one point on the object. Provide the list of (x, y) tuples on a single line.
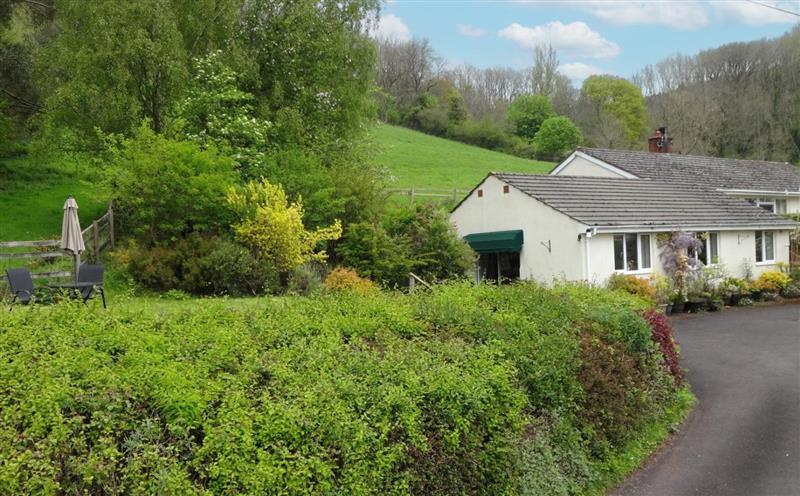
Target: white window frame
[(639, 269), (762, 202), (707, 249), (764, 260)]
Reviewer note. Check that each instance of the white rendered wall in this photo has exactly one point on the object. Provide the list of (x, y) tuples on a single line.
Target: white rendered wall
[(736, 250), (498, 211), (579, 166)]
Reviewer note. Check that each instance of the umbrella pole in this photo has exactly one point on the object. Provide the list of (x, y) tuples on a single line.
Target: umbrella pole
[(76, 263)]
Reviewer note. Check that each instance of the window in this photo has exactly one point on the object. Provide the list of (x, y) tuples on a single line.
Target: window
[(765, 246), (768, 204), (632, 252), (709, 252), (780, 206)]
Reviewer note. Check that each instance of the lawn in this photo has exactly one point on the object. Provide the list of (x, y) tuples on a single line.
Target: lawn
[(32, 194), (423, 161)]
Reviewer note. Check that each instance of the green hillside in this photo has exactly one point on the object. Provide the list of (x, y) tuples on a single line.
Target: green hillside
[(423, 161), (32, 195)]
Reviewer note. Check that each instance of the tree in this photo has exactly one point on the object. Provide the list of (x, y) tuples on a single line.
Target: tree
[(557, 137), (456, 109), (216, 112), (527, 112), (273, 226), (614, 112), (112, 64), (310, 64)]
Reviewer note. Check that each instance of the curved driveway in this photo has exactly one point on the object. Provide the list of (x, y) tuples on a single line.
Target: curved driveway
[(744, 436)]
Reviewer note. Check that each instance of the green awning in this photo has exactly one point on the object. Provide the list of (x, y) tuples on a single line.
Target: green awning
[(495, 242)]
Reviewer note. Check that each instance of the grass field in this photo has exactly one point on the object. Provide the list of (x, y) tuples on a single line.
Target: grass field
[(32, 192), (32, 195), (417, 159)]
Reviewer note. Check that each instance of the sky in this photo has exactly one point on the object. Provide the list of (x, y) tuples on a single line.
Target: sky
[(591, 37)]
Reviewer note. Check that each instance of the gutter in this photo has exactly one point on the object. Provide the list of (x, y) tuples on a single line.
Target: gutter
[(697, 227), (758, 192)]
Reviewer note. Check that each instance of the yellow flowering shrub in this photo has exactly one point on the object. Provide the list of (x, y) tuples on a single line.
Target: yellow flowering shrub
[(273, 226)]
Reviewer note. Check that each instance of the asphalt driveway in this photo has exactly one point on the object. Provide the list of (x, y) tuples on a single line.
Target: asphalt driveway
[(744, 436)]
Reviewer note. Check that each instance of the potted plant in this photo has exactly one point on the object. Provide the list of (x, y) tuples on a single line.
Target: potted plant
[(677, 302)]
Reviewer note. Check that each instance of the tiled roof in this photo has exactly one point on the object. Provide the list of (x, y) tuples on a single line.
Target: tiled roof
[(724, 173), (611, 202)]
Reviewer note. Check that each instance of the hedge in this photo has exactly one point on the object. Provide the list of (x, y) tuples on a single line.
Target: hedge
[(466, 390)]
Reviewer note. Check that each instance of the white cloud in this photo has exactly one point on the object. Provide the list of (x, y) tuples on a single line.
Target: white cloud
[(471, 31), (391, 27), (754, 14), (575, 39), (676, 15), (578, 71)]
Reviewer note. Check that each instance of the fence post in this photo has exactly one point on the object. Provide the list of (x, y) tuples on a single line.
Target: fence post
[(96, 241), (111, 224), (411, 194), (411, 283)]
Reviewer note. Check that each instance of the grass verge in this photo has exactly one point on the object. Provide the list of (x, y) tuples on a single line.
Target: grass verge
[(617, 467)]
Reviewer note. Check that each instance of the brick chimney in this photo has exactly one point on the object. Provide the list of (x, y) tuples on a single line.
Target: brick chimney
[(659, 142)]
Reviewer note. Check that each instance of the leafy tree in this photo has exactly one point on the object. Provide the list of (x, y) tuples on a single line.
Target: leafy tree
[(166, 189), (217, 112), (456, 109), (527, 113), (608, 102), (112, 64), (273, 226), (556, 138), (310, 64)]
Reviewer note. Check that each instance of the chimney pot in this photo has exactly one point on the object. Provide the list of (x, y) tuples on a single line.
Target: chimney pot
[(659, 142)]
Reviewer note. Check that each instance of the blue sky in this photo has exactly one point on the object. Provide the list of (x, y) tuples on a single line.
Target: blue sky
[(601, 36)]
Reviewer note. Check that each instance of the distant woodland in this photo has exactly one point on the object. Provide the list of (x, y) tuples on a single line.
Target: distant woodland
[(310, 70)]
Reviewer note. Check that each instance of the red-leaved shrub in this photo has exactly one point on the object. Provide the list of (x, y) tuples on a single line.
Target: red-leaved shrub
[(662, 334)]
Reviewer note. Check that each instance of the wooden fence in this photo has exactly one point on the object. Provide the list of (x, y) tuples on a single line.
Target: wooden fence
[(442, 194), (97, 237)]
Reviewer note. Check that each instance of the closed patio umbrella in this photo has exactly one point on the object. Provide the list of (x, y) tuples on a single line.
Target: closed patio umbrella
[(71, 237)]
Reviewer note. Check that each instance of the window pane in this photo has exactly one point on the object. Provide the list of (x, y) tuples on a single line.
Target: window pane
[(769, 246), (781, 206), (645, 243), (701, 253), (713, 247), (769, 207), (619, 263), (759, 246), (632, 258)]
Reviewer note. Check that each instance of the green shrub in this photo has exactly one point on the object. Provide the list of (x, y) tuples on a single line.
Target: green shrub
[(168, 189), (200, 266), (420, 239), (792, 290), (772, 281), (483, 133), (463, 390)]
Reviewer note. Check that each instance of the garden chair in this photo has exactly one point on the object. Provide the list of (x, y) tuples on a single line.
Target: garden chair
[(21, 285), (93, 275)]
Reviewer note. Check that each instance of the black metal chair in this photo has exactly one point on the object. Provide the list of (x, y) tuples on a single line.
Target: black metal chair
[(91, 274), (21, 284)]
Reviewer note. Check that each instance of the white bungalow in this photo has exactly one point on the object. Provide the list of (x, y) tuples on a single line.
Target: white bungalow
[(591, 226)]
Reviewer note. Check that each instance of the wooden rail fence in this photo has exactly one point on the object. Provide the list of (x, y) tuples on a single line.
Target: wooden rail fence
[(97, 237), (445, 194)]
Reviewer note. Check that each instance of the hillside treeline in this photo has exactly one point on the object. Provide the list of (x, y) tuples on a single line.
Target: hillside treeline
[(738, 100)]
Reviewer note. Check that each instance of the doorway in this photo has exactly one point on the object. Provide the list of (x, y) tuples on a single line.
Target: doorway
[(499, 267)]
